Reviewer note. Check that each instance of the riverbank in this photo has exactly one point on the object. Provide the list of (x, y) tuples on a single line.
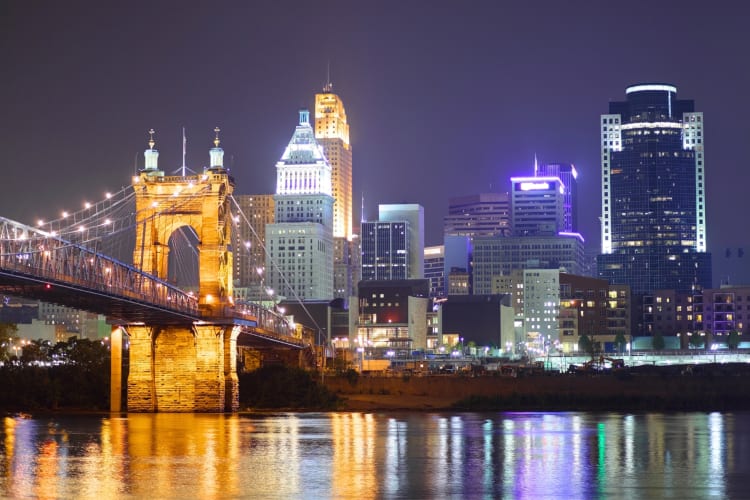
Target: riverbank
[(666, 391)]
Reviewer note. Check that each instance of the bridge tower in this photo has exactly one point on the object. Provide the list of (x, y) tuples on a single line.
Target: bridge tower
[(167, 203), (187, 367)]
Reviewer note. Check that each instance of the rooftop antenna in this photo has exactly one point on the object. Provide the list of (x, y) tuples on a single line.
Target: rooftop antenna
[(328, 86), (362, 210), (184, 152), (135, 164)]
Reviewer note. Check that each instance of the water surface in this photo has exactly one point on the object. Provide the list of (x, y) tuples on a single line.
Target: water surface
[(380, 455)]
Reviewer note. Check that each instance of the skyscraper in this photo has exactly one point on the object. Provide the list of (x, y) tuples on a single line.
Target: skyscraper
[(385, 250), (257, 211), (434, 263), (568, 174), (299, 261), (332, 133), (484, 214), (414, 215), (393, 247), (537, 206), (653, 192)]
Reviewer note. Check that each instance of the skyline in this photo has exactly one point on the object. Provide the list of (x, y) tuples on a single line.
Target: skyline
[(440, 104)]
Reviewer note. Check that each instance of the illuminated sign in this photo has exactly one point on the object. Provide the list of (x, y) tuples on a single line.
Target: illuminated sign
[(534, 186)]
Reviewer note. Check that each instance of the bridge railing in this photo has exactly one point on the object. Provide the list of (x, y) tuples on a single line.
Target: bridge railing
[(39, 255), (43, 257), (266, 319)]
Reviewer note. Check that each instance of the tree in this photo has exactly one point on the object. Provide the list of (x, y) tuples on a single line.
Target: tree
[(657, 341), (696, 341), (585, 344), (36, 351), (620, 341), (733, 339), (7, 332)]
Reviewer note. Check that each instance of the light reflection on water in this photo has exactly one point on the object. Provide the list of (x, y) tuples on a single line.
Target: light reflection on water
[(361, 455)]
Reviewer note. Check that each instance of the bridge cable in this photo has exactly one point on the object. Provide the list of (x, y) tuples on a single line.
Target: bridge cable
[(274, 264)]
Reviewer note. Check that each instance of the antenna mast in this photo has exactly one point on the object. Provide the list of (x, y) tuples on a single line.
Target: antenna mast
[(362, 210), (184, 146), (328, 86)]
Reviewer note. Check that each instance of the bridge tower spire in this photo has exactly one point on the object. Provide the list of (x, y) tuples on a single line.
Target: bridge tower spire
[(151, 155)]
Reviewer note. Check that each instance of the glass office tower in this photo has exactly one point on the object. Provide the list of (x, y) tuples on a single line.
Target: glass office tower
[(653, 192)]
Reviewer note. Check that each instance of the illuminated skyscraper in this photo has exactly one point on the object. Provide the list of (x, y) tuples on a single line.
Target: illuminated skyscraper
[(568, 174), (393, 247), (537, 206), (385, 250), (299, 261), (332, 133), (653, 192), (413, 214)]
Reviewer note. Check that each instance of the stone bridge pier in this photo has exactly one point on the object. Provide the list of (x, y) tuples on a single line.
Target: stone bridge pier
[(179, 368)]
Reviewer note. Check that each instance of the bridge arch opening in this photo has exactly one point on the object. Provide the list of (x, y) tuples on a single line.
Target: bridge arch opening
[(183, 261)]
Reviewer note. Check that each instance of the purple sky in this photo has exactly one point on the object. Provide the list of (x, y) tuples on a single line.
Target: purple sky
[(443, 98)]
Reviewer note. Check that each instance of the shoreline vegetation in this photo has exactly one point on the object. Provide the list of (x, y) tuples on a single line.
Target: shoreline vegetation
[(711, 387)]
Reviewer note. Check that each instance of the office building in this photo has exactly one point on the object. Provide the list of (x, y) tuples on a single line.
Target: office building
[(581, 305), (332, 133), (346, 267), (474, 216), (653, 215), (459, 282), (479, 215), (458, 255), (249, 237), (434, 263), (484, 320), (383, 244), (583, 311), (385, 251), (392, 314), (537, 206), (541, 302), (568, 174), (299, 260), (494, 257)]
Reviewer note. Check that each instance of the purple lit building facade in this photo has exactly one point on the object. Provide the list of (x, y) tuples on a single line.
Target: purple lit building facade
[(537, 206), (568, 175)]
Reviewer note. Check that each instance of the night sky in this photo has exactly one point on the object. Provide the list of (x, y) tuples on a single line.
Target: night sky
[(443, 98)]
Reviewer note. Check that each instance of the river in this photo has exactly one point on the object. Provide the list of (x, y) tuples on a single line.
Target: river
[(377, 455)]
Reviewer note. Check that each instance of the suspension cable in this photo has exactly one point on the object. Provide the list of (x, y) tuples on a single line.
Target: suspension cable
[(274, 264)]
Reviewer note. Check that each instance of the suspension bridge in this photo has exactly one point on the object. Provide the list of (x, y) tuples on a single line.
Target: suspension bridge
[(113, 258)]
